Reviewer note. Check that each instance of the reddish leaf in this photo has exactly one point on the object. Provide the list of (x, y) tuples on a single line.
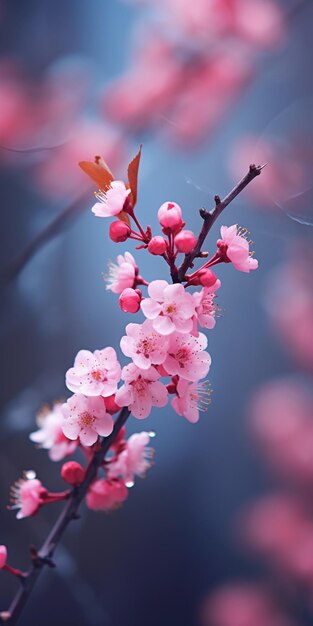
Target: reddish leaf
[(132, 172), (124, 217), (98, 172)]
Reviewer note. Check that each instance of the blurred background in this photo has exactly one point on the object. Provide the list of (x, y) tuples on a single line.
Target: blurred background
[(221, 531)]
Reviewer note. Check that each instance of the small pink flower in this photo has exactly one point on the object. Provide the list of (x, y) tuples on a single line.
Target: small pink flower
[(142, 390), (27, 496), (123, 274), (119, 231), (94, 373), (50, 435), (235, 247), (86, 418), (191, 398), (185, 241), (134, 460), (130, 299), (169, 306), (205, 308), (144, 345), (186, 356), (3, 556), (111, 202), (106, 495)]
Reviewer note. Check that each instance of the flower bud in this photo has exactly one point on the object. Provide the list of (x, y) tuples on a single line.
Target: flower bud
[(185, 241), (3, 556), (157, 245), (72, 473), (119, 231), (207, 278), (170, 217), (110, 404), (130, 300)]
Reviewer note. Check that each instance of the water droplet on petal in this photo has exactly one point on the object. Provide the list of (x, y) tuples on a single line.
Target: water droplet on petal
[(129, 484)]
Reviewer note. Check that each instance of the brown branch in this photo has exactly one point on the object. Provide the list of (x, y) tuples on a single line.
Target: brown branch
[(11, 271), (209, 218), (44, 556)]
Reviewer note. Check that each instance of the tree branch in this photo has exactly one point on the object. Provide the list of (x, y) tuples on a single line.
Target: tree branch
[(44, 556), (209, 217), (11, 271)]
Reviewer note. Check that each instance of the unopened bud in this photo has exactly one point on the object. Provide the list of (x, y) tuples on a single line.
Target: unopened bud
[(157, 245), (119, 231), (111, 405), (170, 217), (130, 300), (3, 556), (185, 241), (72, 473)]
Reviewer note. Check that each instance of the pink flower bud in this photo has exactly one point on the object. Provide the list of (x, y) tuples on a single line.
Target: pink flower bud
[(130, 300), (185, 241), (119, 231), (207, 278), (3, 556), (157, 245), (170, 217), (111, 405), (72, 473)]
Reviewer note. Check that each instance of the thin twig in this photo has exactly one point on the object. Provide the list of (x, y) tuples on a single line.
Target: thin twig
[(209, 218), (55, 227), (44, 556)]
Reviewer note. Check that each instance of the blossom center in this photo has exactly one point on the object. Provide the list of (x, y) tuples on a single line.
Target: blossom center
[(171, 308), (183, 355), (140, 385), (146, 346), (97, 375), (86, 419)]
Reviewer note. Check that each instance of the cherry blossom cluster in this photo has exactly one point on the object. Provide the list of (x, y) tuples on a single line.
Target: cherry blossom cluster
[(166, 350)]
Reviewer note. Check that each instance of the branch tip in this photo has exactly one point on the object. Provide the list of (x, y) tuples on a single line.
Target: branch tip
[(203, 213), (217, 200)]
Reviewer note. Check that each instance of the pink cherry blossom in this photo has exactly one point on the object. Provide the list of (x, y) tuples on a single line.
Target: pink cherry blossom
[(111, 202), (86, 418), (186, 356), (235, 247), (134, 460), (122, 274), (50, 435), (191, 398), (144, 345), (106, 495), (169, 306), (142, 390), (3, 556), (94, 373), (27, 496), (205, 308)]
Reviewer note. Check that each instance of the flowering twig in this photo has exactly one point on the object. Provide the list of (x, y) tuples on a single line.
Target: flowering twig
[(209, 217), (44, 556)]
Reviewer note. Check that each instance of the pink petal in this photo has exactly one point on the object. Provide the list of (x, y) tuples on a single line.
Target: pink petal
[(104, 425), (156, 289), (163, 325), (150, 308)]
